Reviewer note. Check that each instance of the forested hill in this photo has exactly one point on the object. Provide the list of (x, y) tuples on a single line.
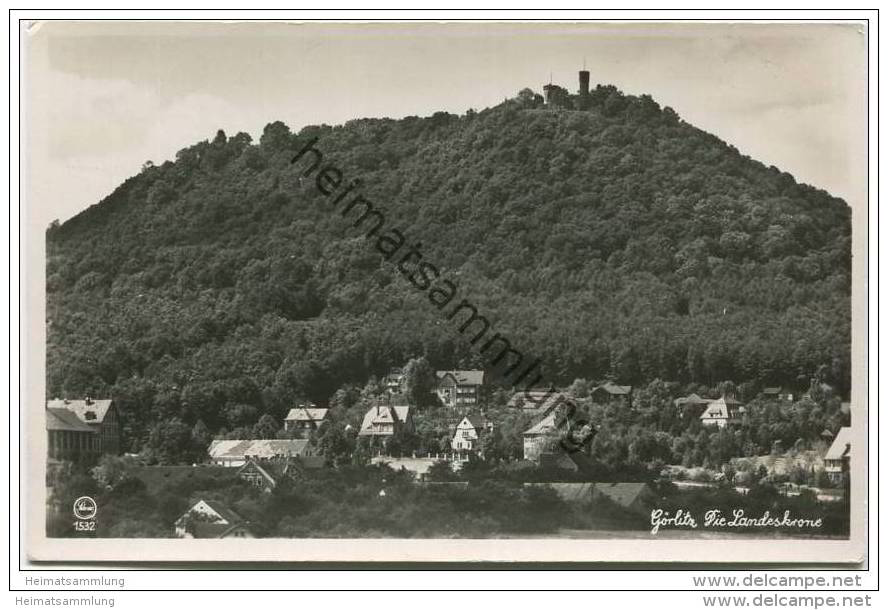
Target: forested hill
[(617, 241)]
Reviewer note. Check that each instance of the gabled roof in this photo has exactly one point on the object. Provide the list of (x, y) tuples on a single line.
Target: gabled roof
[(614, 389), (544, 426), (384, 414), (252, 464), (775, 390), (463, 377), (306, 414), (691, 399), (716, 410), (263, 448), (722, 408), (841, 445), (541, 401), (220, 509), (65, 420), (477, 420), (99, 408)]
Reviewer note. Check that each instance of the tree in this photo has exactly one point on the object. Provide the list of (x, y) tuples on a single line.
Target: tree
[(441, 471), (169, 442), (266, 427), (491, 445), (420, 381), (200, 440), (111, 470)]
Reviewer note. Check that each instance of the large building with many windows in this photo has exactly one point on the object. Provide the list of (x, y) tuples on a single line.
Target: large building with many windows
[(100, 415), (68, 438), (460, 388)]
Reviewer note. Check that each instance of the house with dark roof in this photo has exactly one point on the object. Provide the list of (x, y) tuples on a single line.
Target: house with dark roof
[(837, 460), (301, 421), (610, 392), (211, 519), (256, 475), (100, 415), (468, 432), (540, 437), (68, 438), (269, 473), (459, 388)]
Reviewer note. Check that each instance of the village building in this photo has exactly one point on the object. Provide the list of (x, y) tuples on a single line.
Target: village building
[(837, 460), (301, 421), (68, 438), (777, 394), (257, 476), (610, 392), (235, 453), (100, 415), (211, 519), (724, 411), (537, 401), (538, 438), (384, 420), (459, 388), (468, 433), (395, 382), (267, 474)]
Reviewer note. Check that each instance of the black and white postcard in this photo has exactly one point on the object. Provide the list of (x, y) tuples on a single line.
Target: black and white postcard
[(450, 291)]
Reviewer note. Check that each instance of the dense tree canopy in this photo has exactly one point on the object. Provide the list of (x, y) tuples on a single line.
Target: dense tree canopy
[(615, 241)]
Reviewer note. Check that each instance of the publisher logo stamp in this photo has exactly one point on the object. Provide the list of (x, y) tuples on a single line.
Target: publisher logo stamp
[(85, 508)]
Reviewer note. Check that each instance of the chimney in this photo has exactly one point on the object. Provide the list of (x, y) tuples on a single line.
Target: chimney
[(584, 83)]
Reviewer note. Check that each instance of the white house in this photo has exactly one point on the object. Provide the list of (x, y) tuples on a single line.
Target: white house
[(237, 452), (210, 519), (838, 458), (724, 411), (468, 432), (385, 420)]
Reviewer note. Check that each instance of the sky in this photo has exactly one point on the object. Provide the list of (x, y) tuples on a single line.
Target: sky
[(101, 98)]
